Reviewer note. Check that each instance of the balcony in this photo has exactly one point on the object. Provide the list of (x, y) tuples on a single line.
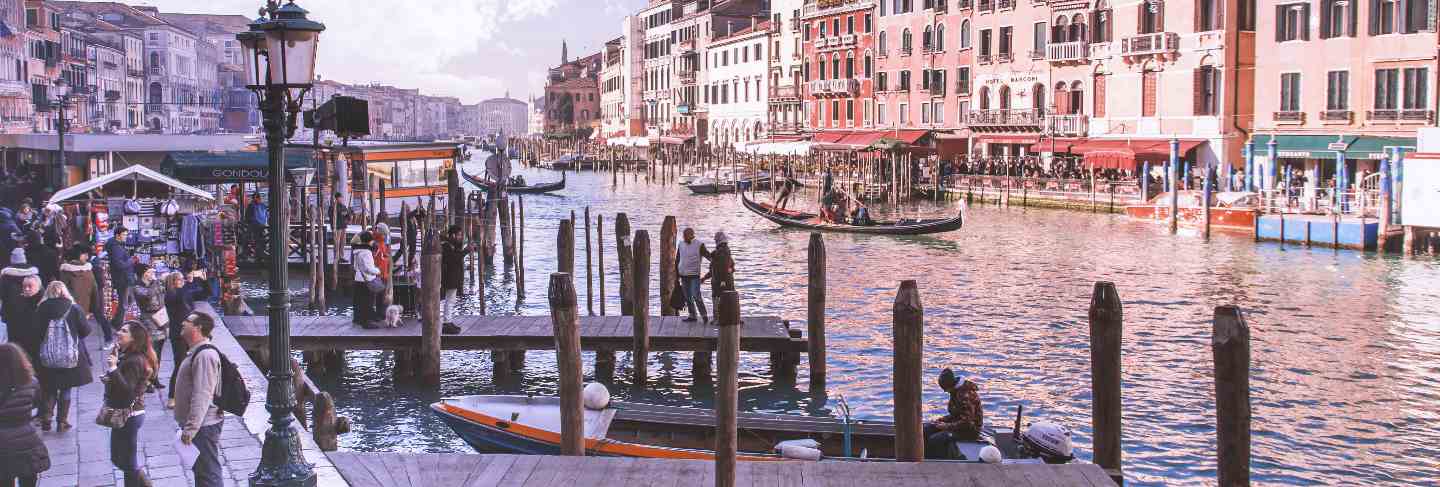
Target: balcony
[(785, 127), (154, 108), (785, 91), (135, 73), (835, 87), (962, 88), (1027, 117), (936, 89), (1406, 115), (1289, 116), (687, 78), (825, 7), (1345, 116), (1074, 125), (1065, 52), (14, 88), (112, 95), (1160, 44), (905, 51), (982, 59), (1003, 57), (687, 47), (1005, 4), (847, 40)]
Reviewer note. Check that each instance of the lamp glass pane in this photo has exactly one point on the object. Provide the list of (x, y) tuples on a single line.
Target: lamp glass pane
[(292, 56)]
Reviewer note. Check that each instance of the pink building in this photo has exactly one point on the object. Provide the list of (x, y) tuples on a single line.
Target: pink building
[(838, 61), (1337, 82), (924, 71)]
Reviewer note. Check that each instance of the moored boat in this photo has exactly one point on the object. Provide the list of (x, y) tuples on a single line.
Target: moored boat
[(1235, 210), (525, 189), (531, 425), (811, 221), (710, 185)]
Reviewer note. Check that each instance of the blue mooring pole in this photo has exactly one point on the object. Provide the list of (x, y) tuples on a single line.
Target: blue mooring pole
[(1249, 183), (1174, 172)]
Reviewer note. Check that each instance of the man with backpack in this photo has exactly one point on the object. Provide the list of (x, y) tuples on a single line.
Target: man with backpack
[(198, 385)]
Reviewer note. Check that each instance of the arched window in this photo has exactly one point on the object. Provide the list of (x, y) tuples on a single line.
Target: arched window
[(869, 65), (1062, 97), (984, 97), (1060, 30), (835, 66), (1037, 98), (1077, 28), (965, 34), (1077, 98), (883, 49), (1098, 84), (850, 64), (1004, 97), (905, 41), (822, 67), (927, 40), (157, 94), (940, 37)]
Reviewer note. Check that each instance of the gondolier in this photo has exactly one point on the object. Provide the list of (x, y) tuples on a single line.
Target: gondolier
[(497, 168)]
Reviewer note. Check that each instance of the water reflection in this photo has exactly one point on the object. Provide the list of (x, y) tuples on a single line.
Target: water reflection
[(1345, 344)]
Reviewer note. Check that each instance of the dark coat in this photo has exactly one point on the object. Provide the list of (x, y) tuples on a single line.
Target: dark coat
[(125, 386), (180, 302), (80, 278), (46, 259), (122, 269), (15, 309), (54, 309), (452, 264), (24, 452), (8, 231)]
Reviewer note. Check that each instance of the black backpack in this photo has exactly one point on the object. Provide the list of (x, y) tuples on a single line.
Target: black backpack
[(234, 395)]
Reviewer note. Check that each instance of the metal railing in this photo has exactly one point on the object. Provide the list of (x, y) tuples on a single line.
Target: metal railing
[(1068, 125), (1006, 117), (1067, 51), (982, 58), (1337, 115), (783, 91), (1293, 116), (1321, 200), (1155, 43), (1004, 57)]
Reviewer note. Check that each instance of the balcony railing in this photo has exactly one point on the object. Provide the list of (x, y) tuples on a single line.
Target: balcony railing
[(985, 5), (1337, 115), (135, 73), (1061, 52), (687, 47), (904, 51), (112, 95), (1005, 4), (153, 108), (1026, 117), (1037, 55), (1292, 116), (1068, 125), (1406, 115), (784, 91), (962, 88), (825, 6), (1003, 57), (937, 89), (843, 86), (1147, 44), (687, 77), (982, 58)]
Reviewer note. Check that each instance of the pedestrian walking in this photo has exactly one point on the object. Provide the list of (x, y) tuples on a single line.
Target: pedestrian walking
[(367, 278), (122, 273), (197, 386), (19, 312), (79, 277), (129, 368), (150, 298), (64, 363), (24, 456), (181, 293), (10, 279), (689, 252)]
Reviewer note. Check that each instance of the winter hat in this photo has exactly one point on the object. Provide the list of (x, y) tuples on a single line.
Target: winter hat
[(17, 256), (720, 238)]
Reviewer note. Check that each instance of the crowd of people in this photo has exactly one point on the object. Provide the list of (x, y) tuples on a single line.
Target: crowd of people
[(1034, 167), (50, 305)]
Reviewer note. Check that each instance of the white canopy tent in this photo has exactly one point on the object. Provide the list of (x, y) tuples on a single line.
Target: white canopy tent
[(132, 173), (629, 141), (785, 148)]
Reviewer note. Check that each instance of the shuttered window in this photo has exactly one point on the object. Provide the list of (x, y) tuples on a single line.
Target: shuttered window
[(1148, 84), (1292, 22), (1415, 88), (1337, 90), (1207, 86), (1151, 16), (1099, 97), (1387, 88), (1290, 92), (1337, 18)]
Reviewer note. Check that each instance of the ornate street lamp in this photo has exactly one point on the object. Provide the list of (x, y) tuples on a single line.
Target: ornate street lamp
[(287, 41), (62, 93)]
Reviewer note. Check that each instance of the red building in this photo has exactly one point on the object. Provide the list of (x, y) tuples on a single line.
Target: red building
[(837, 38)]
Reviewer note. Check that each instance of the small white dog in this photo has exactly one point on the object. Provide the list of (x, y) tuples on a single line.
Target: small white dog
[(392, 315)]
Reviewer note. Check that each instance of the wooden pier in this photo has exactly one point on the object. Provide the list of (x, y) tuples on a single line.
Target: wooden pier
[(460, 470), (598, 333)]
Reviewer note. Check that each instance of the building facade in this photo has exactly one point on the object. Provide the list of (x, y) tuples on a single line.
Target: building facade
[(572, 95), (504, 116), (738, 85), (17, 112), (836, 35), (784, 114)]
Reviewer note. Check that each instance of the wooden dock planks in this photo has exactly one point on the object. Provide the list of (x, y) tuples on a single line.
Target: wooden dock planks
[(609, 333), (437, 469)]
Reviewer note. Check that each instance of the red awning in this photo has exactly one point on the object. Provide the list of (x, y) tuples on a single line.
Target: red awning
[(1126, 154), (829, 137), (1056, 144), (861, 140), (906, 136)]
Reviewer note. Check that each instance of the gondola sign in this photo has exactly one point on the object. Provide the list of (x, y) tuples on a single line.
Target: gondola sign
[(1337, 146)]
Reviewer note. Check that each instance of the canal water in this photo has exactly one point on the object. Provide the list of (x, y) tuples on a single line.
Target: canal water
[(1346, 345)]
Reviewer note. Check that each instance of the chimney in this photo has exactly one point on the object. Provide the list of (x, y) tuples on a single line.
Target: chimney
[(754, 19)]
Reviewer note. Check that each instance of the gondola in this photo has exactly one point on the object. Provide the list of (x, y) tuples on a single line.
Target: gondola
[(528, 189), (810, 221), (531, 425)]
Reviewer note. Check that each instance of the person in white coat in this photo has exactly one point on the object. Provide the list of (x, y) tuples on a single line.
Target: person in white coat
[(362, 258)]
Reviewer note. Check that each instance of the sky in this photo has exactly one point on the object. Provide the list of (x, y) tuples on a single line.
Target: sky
[(470, 49)]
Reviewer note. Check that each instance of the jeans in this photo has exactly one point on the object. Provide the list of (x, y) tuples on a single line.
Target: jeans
[(159, 346), (50, 398), (125, 445), (364, 303), (693, 299), (8, 479), (449, 304), (207, 467), (178, 349)]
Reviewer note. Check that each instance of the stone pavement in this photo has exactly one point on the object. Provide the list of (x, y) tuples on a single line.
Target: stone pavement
[(81, 457)]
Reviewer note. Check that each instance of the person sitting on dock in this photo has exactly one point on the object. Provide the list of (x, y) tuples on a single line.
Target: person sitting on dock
[(963, 421)]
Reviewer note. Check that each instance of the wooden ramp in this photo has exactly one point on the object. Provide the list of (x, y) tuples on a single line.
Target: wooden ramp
[(455, 469), (667, 333)]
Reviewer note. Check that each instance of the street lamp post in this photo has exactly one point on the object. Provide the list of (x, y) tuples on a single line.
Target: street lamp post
[(62, 91), (287, 40)]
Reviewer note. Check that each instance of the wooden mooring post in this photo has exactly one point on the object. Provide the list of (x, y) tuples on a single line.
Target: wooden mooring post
[(507, 230), (727, 393), (622, 252), (600, 257), (1106, 332), (567, 358), (668, 271), (815, 310), (909, 318), (589, 276), (429, 366), (640, 297), (565, 247), (1230, 344)]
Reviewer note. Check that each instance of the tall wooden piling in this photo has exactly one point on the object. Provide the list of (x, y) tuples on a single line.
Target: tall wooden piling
[(520, 248), (622, 252), (909, 317), (1230, 345), (565, 247), (640, 302), (667, 266), (600, 257), (1106, 331), (589, 277), (507, 230), (567, 358), (727, 394), (429, 367), (815, 310)]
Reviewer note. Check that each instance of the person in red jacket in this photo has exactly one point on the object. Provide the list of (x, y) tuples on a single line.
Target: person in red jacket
[(964, 420)]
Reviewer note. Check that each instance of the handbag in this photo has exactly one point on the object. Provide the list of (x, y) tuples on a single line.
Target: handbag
[(112, 417), (677, 297), (376, 285)]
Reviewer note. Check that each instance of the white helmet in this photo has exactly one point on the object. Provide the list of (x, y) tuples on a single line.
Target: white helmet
[(1049, 440)]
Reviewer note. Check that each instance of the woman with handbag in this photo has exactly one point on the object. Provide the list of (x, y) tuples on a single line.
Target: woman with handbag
[(150, 298), (367, 277), (57, 382), (132, 365), (24, 456)]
